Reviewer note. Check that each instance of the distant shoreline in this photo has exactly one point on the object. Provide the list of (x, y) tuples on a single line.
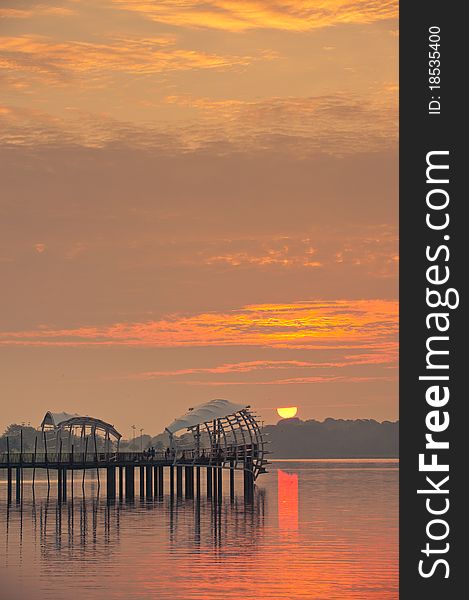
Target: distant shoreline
[(333, 439)]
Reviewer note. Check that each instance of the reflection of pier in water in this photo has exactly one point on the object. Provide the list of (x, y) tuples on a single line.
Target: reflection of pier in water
[(93, 523)]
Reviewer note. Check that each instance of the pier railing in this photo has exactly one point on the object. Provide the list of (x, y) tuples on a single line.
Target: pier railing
[(185, 456)]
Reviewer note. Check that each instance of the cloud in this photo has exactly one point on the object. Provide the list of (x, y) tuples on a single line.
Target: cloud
[(374, 250), (46, 60), (270, 257), (332, 124), (25, 9), (380, 358), (335, 123), (301, 380), (241, 15), (307, 325), (152, 244)]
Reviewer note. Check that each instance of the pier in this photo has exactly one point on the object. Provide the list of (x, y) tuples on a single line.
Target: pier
[(220, 439)]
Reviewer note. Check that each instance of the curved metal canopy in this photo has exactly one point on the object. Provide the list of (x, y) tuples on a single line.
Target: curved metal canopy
[(204, 413), (55, 419), (63, 420)]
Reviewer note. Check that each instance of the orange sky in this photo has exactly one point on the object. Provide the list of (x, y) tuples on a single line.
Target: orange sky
[(198, 200)]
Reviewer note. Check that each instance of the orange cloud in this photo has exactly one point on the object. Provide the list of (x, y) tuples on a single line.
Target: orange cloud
[(14, 11), (337, 124), (379, 358), (273, 257), (241, 15), (300, 380), (310, 324), (48, 59), (376, 253)]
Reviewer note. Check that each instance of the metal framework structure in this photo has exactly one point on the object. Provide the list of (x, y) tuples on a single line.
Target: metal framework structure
[(220, 433), (65, 433)]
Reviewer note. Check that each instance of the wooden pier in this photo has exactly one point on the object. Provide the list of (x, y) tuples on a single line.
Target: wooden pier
[(120, 469), (225, 437)]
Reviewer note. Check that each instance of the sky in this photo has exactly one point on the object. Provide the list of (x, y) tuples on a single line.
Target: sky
[(198, 200)]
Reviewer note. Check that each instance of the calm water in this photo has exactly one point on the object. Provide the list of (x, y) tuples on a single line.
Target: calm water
[(321, 530)]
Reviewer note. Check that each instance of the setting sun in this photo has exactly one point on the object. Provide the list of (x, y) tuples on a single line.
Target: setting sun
[(287, 412)]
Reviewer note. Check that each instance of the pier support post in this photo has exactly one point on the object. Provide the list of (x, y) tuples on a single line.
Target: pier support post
[(209, 481), (121, 483), (64, 485), (9, 484), (232, 480), (59, 484), (18, 484), (189, 475), (197, 479), (215, 482), (248, 480), (149, 481), (220, 483), (142, 482), (171, 480), (160, 481), (129, 483), (111, 483), (155, 481), (179, 481)]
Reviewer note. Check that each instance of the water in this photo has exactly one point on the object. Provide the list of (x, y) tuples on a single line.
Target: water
[(319, 530)]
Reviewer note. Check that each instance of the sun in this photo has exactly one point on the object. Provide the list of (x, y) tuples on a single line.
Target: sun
[(287, 412)]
